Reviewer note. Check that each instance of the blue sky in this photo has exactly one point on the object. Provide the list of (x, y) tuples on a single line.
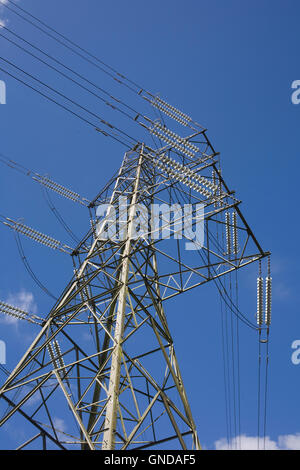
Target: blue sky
[(228, 64)]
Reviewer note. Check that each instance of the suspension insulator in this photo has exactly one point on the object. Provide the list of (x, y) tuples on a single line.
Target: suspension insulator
[(15, 312), (234, 233), (86, 292), (268, 305), (228, 233), (214, 177), (220, 189), (259, 312), (214, 182), (52, 355), (59, 358)]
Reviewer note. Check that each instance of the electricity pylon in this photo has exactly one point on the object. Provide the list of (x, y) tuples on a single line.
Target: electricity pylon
[(102, 373)]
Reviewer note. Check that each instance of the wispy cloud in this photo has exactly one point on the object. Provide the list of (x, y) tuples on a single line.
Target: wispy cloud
[(60, 426), (3, 20), (244, 442)]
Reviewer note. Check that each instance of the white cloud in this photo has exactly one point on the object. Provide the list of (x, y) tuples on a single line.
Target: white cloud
[(3, 21), (290, 441), (244, 442), (23, 300), (59, 424)]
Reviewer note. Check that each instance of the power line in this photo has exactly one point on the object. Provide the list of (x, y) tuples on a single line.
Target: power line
[(162, 105), (226, 295), (28, 267), (74, 44), (65, 45), (58, 216), (233, 366), (105, 133), (68, 99), (266, 392), (259, 389), (45, 181), (238, 362), (224, 371), (134, 118), (117, 100)]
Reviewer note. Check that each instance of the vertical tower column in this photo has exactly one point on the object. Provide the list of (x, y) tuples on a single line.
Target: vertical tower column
[(114, 380)]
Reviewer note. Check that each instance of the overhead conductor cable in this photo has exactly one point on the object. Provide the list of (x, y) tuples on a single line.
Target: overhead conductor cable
[(155, 101), (45, 181)]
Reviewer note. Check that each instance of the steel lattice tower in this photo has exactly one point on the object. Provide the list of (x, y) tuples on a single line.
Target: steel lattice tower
[(105, 355)]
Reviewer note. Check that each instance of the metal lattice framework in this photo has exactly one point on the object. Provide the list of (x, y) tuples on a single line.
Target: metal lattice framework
[(105, 355), (104, 360)]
